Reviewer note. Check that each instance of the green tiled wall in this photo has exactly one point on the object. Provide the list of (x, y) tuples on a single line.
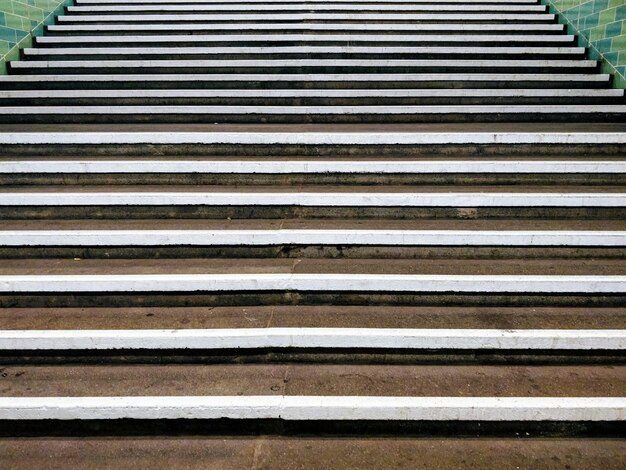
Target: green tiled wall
[(20, 20), (601, 26)]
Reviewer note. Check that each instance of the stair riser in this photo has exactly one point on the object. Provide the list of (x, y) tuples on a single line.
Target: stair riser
[(306, 118), (269, 212), (512, 67), (311, 251), (298, 298), (155, 83), (333, 151), (484, 55), (360, 101), (543, 179), (300, 27)]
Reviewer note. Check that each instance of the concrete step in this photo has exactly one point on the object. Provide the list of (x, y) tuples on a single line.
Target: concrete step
[(299, 408), (312, 338), (318, 17), (370, 2), (225, 237), (396, 275), (326, 81), (322, 316), (305, 6), (238, 451), (297, 114), (319, 140), (325, 196), (313, 238), (343, 39), (304, 52), (214, 380), (306, 65), (69, 30), (310, 97)]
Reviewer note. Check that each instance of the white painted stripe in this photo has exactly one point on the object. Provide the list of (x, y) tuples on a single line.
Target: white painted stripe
[(369, 26), (273, 63), (317, 408), (314, 138), (304, 110), (320, 93), (308, 7), (310, 237), (183, 50), (229, 38), (371, 283), (311, 17), (336, 338), (308, 166), (191, 2), (314, 199), (308, 77)]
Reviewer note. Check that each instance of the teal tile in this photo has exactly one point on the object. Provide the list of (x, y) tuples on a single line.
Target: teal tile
[(8, 34), (599, 5), (614, 29), (586, 9), (620, 12), (604, 45), (2, 23), (619, 43), (591, 21), (27, 11)]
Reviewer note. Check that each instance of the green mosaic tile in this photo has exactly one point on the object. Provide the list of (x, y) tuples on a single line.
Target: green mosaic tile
[(603, 44), (15, 22), (586, 9), (608, 16), (27, 11), (8, 34), (599, 5), (614, 29), (596, 33), (591, 21), (619, 43)]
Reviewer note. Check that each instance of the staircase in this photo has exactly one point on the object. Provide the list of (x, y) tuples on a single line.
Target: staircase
[(294, 233)]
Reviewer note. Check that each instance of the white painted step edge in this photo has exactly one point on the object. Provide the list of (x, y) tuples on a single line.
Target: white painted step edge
[(314, 138), (309, 237), (343, 49), (352, 16), (314, 199), (270, 63), (130, 165), (335, 338), (308, 7), (367, 26), (579, 284), (307, 77), (317, 408), (219, 110), (171, 2), (319, 93)]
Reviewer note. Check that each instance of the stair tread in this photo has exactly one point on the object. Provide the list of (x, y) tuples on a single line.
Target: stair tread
[(318, 379), (318, 316), (234, 266)]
